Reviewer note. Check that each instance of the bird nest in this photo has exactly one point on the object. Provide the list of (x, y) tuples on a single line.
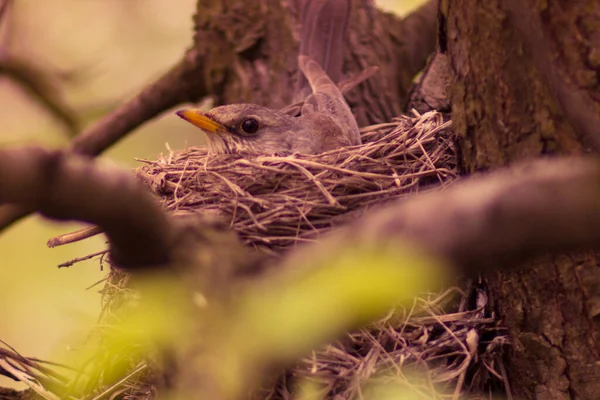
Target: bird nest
[(428, 352), (274, 202)]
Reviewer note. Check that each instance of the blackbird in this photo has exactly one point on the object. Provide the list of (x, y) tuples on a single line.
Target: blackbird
[(326, 122)]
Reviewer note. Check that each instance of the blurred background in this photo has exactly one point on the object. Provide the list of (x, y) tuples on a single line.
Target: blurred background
[(102, 53)]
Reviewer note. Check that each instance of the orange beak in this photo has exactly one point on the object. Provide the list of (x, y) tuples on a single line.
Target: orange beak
[(201, 120)]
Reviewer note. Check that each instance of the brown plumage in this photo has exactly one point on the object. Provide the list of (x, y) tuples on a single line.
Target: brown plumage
[(326, 122)]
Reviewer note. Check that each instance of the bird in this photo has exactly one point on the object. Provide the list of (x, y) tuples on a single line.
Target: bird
[(319, 120), (326, 122)]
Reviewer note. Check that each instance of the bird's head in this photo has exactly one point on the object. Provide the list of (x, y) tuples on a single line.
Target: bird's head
[(246, 127)]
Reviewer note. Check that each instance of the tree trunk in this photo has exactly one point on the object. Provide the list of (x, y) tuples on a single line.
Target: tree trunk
[(508, 104)]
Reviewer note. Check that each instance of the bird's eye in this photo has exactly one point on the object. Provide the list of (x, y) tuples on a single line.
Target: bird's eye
[(250, 125)]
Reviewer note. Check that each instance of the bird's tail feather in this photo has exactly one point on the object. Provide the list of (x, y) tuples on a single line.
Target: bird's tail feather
[(324, 31), (318, 79), (327, 98)]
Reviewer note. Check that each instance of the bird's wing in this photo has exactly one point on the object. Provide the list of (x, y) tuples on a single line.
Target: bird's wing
[(323, 37), (327, 98), (345, 86), (350, 83)]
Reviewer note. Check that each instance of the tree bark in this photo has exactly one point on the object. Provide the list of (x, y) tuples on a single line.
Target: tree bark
[(514, 64)]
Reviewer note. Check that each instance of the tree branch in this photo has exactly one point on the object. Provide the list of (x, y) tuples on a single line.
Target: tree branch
[(73, 237), (490, 221), (164, 93), (69, 187), (40, 86)]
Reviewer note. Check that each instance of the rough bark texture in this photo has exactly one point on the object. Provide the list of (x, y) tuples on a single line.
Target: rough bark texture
[(248, 52), (504, 110), (430, 92)]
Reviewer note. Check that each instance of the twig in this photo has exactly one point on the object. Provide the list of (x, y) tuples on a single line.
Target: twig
[(159, 96), (39, 84), (73, 237), (117, 384), (79, 259)]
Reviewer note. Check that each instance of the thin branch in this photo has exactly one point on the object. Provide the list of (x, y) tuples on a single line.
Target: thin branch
[(73, 237), (39, 84), (161, 95), (74, 261), (168, 91)]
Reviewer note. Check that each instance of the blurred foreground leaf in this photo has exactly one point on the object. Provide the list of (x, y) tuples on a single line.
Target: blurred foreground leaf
[(283, 317), (227, 348), (152, 319)]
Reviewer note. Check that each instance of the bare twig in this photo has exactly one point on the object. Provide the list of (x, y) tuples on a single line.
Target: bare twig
[(165, 93), (39, 84), (74, 261), (73, 237)]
